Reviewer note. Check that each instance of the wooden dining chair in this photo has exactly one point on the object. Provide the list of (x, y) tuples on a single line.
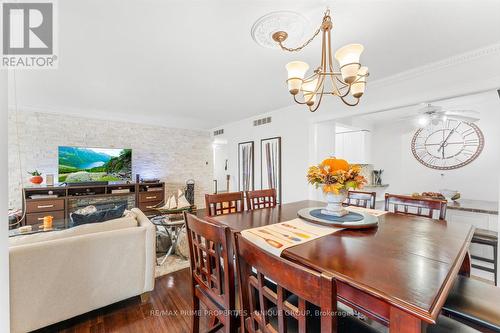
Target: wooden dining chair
[(361, 199), (474, 303), (212, 273), (224, 203), (284, 308), (261, 199), (408, 205)]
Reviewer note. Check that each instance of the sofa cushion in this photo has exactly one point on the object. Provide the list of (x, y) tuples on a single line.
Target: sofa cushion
[(127, 221)]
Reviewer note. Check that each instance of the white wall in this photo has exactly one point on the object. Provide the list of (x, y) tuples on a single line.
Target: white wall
[(293, 128), (173, 155), (477, 180), (4, 252)]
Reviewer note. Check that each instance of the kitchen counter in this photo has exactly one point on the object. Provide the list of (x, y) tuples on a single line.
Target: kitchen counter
[(475, 206)]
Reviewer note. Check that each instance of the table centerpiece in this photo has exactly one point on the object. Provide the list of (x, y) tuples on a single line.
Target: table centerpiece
[(336, 177)]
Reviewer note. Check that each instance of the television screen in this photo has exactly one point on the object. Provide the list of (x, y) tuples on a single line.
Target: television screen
[(80, 164)]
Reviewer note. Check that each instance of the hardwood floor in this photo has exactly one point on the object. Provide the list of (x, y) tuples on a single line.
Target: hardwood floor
[(166, 311)]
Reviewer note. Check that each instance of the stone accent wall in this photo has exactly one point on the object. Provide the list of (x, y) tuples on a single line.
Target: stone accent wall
[(171, 154)]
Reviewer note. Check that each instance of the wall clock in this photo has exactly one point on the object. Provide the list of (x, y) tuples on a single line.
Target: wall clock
[(447, 145)]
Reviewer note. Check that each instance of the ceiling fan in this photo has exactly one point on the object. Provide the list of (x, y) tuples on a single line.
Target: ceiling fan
[(433, 114)]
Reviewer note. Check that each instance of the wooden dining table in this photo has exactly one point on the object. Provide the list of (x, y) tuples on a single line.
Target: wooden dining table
[(398, 273)]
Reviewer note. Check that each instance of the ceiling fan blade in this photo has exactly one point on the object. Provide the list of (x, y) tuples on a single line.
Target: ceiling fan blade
[(460, 112), (429, 108), (463, 118)]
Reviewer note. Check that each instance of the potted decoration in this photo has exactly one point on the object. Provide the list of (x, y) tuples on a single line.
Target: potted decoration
[(336, 177), (36, 178)]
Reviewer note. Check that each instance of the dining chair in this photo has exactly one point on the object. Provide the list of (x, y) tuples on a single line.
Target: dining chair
[(298, 290), (415, 206), (224, 203), (486, 238), (361, 199), (474, 303), (212, 273), (261, 199)]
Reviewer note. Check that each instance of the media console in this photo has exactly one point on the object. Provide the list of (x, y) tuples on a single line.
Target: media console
[(60, 201)]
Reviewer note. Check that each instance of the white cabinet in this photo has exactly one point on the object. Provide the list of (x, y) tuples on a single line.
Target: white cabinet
[(353, 146)]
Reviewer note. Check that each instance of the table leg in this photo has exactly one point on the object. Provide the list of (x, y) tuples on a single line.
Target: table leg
[(403, 322), (466, 266)]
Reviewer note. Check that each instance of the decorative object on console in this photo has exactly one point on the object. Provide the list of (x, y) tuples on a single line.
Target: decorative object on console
[(336, 177), (377, 177), (246, 166), (270, 165), (36, 178), (350, 79), (47, 222), (49, 179), (449, 144)]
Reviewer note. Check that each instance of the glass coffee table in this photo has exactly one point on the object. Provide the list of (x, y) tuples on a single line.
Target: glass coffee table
[(57, 225), (171, 229)]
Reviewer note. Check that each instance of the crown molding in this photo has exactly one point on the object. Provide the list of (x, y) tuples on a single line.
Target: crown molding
[(490, 50)]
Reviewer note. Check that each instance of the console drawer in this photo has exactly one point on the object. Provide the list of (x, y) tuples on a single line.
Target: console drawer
[(37, 206), (151, 196), (146, 206), (35, 218)]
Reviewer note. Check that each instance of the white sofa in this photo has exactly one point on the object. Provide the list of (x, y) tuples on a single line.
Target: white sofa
[(58, 275)]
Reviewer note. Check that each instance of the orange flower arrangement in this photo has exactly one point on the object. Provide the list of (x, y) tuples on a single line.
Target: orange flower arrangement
[(336, 175)]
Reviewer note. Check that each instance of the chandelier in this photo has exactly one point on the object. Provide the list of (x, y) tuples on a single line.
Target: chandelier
[(350, 79)]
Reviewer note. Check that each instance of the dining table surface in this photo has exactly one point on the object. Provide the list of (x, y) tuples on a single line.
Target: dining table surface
[(398, 273)]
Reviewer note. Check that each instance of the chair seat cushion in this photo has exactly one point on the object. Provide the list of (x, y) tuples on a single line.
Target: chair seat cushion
[(475, 302)]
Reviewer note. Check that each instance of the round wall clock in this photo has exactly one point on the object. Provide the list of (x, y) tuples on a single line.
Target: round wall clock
[(447, 145)]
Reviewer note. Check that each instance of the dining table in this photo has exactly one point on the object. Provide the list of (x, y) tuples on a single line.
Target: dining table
[(398, 273)]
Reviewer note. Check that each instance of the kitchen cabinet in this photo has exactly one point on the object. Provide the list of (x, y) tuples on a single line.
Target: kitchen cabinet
[(353, 146)]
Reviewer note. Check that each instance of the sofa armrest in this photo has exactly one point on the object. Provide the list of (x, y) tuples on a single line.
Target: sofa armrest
[(150, 250)]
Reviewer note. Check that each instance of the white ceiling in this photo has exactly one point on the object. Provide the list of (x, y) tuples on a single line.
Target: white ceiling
[(194, 62)]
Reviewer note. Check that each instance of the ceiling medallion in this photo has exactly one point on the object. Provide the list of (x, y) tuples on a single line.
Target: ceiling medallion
[(294, 23), (350, 79)]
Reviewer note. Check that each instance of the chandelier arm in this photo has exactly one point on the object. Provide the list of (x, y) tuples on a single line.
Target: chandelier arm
[(346, 93), (349, 104), (320, 96), (297, 101)]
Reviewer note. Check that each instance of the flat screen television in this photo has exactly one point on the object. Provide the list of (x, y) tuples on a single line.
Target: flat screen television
[(85, 164)]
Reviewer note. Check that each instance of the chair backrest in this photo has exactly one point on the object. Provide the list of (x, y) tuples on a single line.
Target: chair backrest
[(224, 203), (263, 306), (261, 199), (416, 206), (211, 269), (361, 199)]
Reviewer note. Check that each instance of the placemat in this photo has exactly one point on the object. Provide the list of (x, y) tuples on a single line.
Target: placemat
[(275, 238)]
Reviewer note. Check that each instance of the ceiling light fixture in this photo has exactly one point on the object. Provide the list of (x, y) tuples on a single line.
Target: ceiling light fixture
[(349, 79)]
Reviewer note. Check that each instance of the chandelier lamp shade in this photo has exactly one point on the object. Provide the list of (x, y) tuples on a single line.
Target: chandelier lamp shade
[(347, 81)]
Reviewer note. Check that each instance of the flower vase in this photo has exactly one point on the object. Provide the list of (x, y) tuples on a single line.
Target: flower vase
[(334, 206)]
